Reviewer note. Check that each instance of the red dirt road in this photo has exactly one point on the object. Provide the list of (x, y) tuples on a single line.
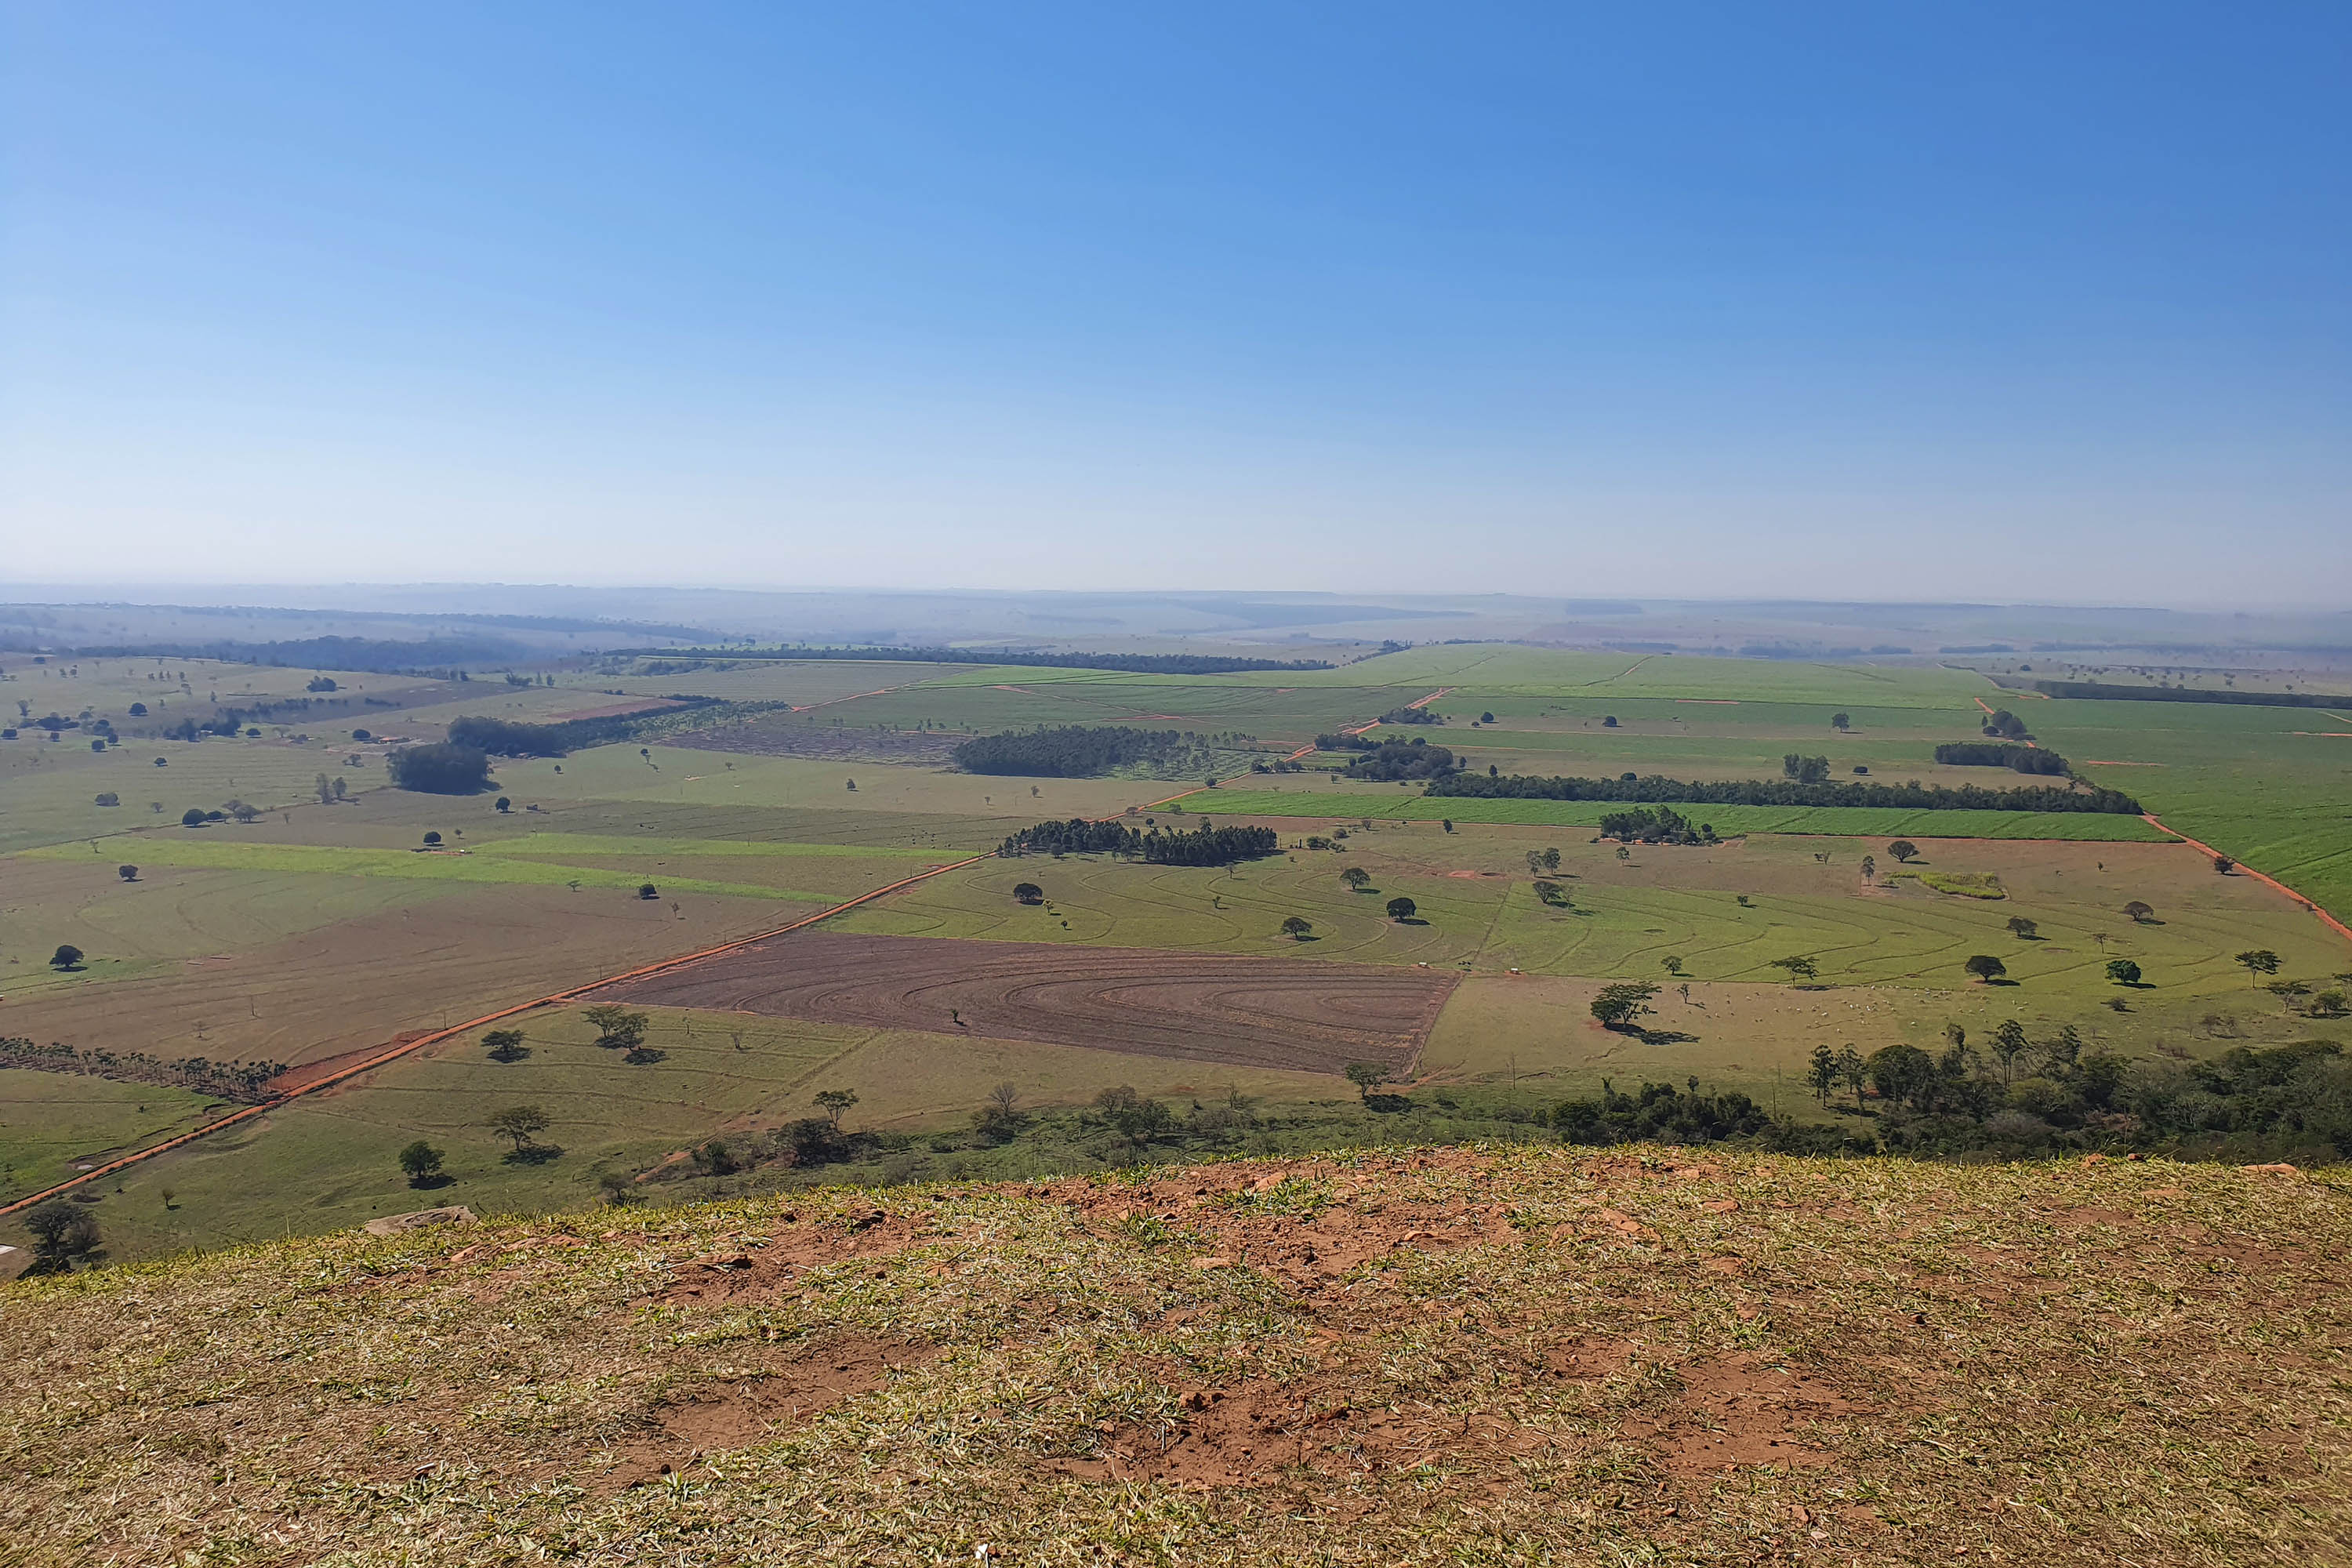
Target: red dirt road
[(1295, 1014)]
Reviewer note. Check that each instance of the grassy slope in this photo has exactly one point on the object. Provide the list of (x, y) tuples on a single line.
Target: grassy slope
[(1531, 1355)]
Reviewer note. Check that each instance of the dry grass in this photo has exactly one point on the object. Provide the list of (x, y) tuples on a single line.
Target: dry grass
[(1449, 1356)]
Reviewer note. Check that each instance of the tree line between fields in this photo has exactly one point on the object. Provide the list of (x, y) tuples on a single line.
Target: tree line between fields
[(242, 1082), (1155, 845), (1090, 750), (461, 764), (674, 661), (1782, 792)]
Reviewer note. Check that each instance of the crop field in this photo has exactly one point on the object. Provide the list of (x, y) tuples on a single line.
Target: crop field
[(1395, 805), (1246, 1012), (318, 931)]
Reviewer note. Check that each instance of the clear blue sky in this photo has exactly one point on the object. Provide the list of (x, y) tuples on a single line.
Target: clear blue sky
[(2047, 302)]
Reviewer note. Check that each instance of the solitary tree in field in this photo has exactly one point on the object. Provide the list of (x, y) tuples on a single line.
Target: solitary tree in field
[(2225, 864), (422, 1161), (505, 1044), (648, 891), (1550, 892), (1028, 893), (193, 818), (1672, 963), (128, 873), (1985, 967), (2022, 928), (2138, 914), (519, 1122), (1841, 722), (1367, 1077), (503, 805), (1800, 966), (2259, 960), (1401, 909), (67, 956), (1622, 1004), (1295, 928), (1356, 877), (834, 1102), (1904, 851), (1869, 867), (433, 840), (1551, 859), (2123, 972)]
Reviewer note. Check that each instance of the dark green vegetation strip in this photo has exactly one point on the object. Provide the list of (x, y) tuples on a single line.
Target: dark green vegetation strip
[(1131, 663), (2104, 693), (1846, 821), (1653, 789), (1203, 847), (1083, 751)]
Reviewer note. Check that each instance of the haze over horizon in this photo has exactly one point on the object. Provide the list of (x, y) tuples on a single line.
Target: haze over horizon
[(1699, 303)]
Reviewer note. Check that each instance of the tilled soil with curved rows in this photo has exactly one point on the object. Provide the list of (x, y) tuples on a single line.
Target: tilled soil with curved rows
[(1251, 1012)]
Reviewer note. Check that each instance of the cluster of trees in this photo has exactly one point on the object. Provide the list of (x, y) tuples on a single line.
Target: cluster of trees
[(2100, 692), (1394, 760), (1663, 826), (1201, 846), (2001, 755), (1783, 791), (1661, 1113), (1805, 770), (244, 1082), (507, 737), (2005, 724), (1129, 663), (1346, 744), (442, 768), (1086, 751), (64, 1234), (1411, 716)]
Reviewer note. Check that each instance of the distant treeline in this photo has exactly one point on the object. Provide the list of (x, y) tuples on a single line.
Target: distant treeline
[(2104, 693), (2001, 755), (1346, 744), (1394, 760), (1201, 846), (507, 737), (241, 1081), (1783, 791), (433, 656), (1130, 663), (1087, 750)]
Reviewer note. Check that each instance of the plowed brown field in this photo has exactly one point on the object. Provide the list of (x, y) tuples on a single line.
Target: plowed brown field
[(1254, 1011)]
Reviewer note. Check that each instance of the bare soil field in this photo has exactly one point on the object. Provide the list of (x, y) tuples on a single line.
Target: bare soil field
[(1251, 1012)]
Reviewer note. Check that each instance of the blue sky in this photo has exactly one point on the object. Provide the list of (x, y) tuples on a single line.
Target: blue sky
[(2010, 301)]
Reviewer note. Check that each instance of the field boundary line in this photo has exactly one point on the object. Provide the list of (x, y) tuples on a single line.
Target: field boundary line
[(395, 1053), (2330, 922)]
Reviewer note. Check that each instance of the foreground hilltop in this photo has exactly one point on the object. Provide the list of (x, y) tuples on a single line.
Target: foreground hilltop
[(1453, 1355)]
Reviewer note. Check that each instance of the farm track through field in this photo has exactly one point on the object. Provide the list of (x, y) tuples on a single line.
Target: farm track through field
[(409, 1046)]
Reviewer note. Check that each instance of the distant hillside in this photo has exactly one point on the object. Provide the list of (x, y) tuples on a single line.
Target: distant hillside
[(1635, 1355)]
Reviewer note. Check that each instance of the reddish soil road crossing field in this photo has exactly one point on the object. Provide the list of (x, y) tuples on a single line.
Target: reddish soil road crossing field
[(1296, 1014)]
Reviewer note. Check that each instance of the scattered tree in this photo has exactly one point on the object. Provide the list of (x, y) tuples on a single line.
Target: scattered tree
[(1401, 909), (2225, 864), (128, 873), (62, 1232), (2138, 914), (1869, 867), (2259, 960), (618, 1028), (67, 956), (503, 805), (1356, 877), (2123, 972), (1800, 966), (107, 797), (1986, 967), (1367, 1077), (433, 840), (1821, 1073), (1672, 963), (1904, 851), (2022, 928), (1028, 893), (1622, 1005), (519, 1122), (422, 1161), (834, 1103), (193, 818), (1295, 928), (1841, 722), (505, 1044)]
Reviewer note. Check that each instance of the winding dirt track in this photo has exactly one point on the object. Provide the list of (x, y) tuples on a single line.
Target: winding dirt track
[(1296, 1014)]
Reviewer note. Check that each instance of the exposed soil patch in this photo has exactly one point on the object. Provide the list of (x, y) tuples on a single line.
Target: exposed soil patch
[(1736, 1411), (1254, 1011), (777, 1264), (761, 1408)]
